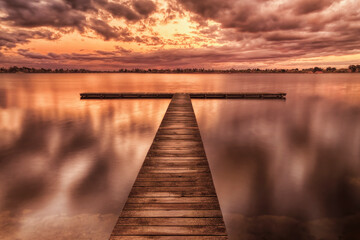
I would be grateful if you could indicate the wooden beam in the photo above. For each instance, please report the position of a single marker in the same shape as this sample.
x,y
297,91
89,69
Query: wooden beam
x,y
214,95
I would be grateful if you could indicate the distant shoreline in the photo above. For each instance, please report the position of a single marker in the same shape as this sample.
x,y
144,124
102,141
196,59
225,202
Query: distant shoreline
x,y
109,72
314,70
179,73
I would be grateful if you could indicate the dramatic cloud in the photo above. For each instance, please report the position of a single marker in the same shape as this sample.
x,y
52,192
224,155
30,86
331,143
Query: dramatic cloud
x,y
28,54
144,7
11,39
257,15
85,5
104,29
121,10
301,27
309,6
161,58
24,13
181,32
141,9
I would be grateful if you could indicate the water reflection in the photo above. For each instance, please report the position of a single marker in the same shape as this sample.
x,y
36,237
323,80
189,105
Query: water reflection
x,y
285,170
67,169
282,170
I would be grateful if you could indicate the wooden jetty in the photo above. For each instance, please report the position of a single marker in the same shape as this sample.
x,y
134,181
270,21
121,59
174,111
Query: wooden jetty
x,y
173,196
213,95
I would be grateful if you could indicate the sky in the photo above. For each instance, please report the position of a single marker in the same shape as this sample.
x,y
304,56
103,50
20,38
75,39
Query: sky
x,y
220,34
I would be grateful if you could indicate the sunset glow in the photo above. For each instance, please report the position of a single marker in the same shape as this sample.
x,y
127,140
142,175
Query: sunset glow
x,y
109,34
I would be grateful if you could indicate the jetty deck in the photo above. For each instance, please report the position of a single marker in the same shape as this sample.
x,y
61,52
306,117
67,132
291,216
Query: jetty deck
x,y
173,196
204,95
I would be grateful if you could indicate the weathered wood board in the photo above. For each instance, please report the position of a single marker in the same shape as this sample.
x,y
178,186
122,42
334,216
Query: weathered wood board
x,y
173,196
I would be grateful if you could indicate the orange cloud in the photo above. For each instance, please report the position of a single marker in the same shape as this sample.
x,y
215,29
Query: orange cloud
x,y
178,33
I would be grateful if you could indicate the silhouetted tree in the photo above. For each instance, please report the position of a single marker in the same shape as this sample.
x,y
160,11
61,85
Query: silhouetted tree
x,y
317,69
352,68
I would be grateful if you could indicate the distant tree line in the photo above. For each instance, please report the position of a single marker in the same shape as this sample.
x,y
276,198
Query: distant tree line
x,y
16,69
351,68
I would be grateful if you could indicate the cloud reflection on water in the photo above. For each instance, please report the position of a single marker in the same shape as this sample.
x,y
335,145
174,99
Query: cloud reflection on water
x,y
66,170
284,170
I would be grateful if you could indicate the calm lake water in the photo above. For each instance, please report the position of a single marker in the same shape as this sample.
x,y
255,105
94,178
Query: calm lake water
x,y
282,169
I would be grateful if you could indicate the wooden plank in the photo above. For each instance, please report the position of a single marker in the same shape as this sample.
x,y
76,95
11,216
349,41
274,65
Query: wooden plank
x,y
205,193
174,189
173,175
177,125
172,143
181,152
169,237
194,179
169,230
178,131
176,163
173,200
175,148
173,194
171,221
171,183
175,170
171,213
180,158
172,206
177,137
161,163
